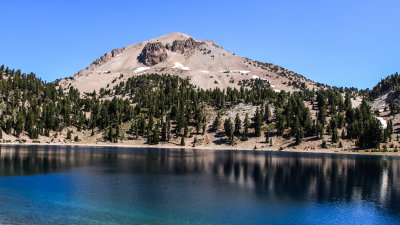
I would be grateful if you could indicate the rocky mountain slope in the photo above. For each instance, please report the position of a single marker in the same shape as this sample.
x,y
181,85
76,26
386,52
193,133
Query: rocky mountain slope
x,y
386,93
206,64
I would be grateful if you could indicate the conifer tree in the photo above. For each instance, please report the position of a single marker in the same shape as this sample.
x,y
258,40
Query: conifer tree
x,y
299,133
183,141
266,135
69,133
238,125
267,113
258,121
228,129
20,123
117,133
217,122
246,128
9,124
280,123
319,130
155,139
164,132
335,135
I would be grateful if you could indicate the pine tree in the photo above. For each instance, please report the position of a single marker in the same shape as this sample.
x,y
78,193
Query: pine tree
x,y
267,113
324,145
322,116
319,130
335,135
217,122
164,132
132,129
69,134
183,141
149,135
257,123
238,125
266,135
155,140
151,122
299,133
20,123
168,128
198,127
280,123
117,133
185,128
109,134
228,128
347,102
390,129
246,127
9,124
308,124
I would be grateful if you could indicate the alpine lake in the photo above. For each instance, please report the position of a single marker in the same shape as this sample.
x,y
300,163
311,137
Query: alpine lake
x,y
103,185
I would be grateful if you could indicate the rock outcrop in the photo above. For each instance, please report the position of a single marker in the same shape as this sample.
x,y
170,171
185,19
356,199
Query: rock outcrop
x,y
152,54
181,46
108,56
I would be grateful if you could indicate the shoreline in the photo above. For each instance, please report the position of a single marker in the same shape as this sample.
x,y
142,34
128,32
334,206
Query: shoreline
x,y
202,148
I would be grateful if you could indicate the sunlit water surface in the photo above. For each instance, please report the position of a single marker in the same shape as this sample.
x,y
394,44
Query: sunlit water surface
x,y
59,185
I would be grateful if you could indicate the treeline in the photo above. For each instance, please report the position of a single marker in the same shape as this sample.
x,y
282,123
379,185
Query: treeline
x,y
159,107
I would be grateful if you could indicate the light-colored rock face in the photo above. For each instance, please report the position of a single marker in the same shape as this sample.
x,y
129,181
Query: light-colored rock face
x,y
204,62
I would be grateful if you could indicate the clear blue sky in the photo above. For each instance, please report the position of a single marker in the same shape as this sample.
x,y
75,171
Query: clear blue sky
x,y
337,42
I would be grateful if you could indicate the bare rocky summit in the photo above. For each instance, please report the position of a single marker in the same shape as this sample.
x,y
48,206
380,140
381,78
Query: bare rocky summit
x,y
204,62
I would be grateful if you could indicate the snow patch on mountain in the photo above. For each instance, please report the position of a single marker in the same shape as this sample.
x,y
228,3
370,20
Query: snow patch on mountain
x,y
255,77
141,69
178,65
383,122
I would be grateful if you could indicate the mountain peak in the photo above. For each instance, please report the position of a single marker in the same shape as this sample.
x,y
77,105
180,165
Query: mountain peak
x,y
204,62
169,38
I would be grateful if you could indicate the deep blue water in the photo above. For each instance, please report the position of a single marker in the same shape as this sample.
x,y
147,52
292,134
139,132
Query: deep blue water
x,y
58,185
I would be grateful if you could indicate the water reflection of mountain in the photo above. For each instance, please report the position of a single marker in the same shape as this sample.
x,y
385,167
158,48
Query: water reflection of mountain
x,y
296,177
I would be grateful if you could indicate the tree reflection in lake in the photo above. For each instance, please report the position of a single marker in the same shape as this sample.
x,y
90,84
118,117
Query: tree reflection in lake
x,y
298,177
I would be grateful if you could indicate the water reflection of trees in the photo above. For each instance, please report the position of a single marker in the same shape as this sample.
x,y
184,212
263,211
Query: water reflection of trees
x,y
316,178
17,161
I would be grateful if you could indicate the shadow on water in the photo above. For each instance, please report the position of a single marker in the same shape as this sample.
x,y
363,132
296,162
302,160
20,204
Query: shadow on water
x,y
291,176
